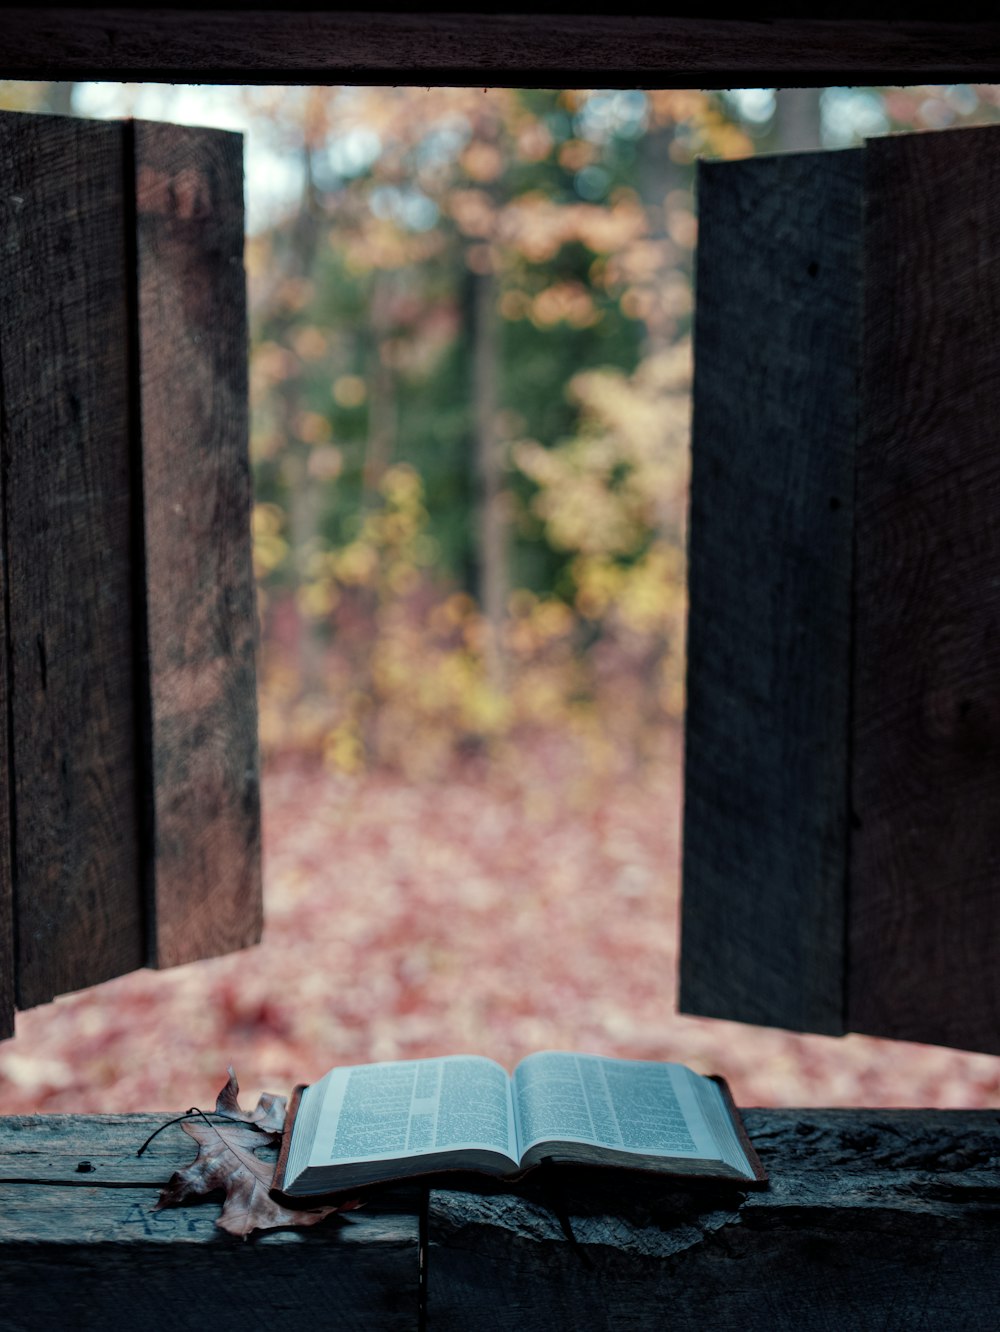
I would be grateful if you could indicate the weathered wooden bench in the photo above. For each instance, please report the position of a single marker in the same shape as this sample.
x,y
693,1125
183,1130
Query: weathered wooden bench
x,y
877,1219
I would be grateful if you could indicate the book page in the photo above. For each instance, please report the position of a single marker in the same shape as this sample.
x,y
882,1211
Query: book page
x,y
380,1112
624,1104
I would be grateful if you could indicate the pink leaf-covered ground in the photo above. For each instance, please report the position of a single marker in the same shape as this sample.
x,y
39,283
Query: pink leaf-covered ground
x,y
526,905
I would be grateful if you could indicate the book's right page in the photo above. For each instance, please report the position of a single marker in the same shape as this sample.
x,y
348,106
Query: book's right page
x,y
590,1108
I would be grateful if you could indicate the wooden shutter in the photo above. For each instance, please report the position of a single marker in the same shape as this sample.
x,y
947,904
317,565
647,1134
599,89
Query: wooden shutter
x,y
765,790
842,788
128,763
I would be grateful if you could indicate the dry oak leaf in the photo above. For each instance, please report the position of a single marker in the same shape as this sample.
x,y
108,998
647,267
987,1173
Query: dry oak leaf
x,y
226,1160
268,1114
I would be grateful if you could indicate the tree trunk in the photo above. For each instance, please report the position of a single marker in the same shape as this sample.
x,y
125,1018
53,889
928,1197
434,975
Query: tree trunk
x,y
657,176
303,521
383,420
797,120
303,499
59,99
491,521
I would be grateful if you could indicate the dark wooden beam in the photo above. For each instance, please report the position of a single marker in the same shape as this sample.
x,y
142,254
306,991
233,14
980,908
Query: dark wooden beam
x,y
875,1220
309,44
81,1246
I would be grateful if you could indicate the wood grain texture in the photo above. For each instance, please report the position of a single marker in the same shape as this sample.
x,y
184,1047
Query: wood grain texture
x,y
317,44
200,605
776,348
925,870
875,1220
83,1248
63,343
7,983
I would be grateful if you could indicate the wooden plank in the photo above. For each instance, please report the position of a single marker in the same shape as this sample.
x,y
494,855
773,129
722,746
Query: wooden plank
x,y
92,1149
925,871
314,43
876,1220
50,1150
94,1258
63,342
766,781
80,1244
7,985
200,604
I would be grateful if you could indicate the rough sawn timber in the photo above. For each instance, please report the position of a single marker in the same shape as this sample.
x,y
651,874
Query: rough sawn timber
x,y
769,624
924,921
129,807
199,602
81,1246
875,1220
66,444
317,43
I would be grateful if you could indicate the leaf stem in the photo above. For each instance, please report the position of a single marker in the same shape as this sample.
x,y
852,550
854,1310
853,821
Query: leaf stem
x,y
195,1113
188,1114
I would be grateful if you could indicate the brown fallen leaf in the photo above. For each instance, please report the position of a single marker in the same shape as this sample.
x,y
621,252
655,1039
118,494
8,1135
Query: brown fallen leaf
x,y
227,1160
268,1114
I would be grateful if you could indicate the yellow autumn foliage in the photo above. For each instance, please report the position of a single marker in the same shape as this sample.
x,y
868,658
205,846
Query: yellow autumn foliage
x,y
423,673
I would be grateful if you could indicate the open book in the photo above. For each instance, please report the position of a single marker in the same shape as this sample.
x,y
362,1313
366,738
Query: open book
x,y
374,1122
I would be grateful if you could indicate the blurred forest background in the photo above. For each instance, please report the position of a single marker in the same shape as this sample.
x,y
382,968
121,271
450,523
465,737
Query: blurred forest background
x,y
471,315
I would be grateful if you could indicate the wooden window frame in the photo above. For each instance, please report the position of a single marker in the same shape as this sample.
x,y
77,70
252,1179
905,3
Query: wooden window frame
x,y
888,1207
318,45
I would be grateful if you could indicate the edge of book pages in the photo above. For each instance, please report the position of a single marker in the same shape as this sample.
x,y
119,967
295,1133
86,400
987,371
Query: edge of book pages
x,y
760,1179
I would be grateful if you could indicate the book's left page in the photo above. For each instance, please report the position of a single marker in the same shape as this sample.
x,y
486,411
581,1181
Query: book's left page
x,y
378,1121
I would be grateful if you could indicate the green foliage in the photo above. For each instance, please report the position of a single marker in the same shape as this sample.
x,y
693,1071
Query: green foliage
x,y
389,304
367,368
